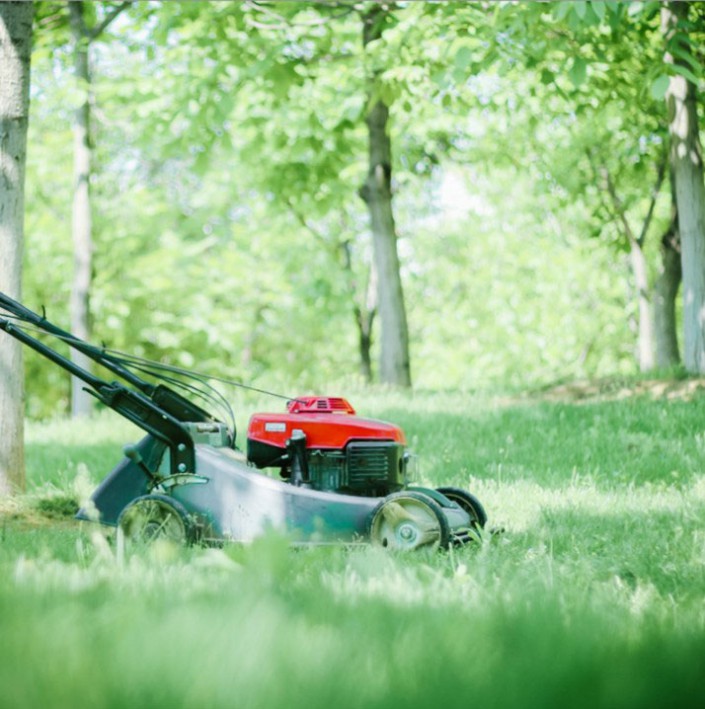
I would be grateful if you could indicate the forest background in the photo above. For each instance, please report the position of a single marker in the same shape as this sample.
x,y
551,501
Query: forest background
x,y
197,174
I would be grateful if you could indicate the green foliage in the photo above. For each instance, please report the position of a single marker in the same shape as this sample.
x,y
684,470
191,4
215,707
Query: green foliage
x,y
229,149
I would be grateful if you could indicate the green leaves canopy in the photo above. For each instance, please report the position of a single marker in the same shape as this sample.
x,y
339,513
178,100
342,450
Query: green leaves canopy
x,y
231,149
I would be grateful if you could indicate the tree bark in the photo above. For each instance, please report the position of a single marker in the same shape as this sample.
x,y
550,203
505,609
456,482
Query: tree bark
x,y
364,317
666,288
364,309
377,193
645,339
81,223
15,53
687,166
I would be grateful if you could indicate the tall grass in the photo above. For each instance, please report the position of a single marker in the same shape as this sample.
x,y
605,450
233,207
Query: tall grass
x,y
594,594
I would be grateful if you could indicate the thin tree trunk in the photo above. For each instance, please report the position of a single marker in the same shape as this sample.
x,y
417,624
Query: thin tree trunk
x,y
365,317
646,346
364,310
15,52
364,305
81,224
645,339
687,165
666,288
377,194
365,344
665,292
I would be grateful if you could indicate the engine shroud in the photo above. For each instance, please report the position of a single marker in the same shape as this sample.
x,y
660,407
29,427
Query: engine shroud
x,y
341,452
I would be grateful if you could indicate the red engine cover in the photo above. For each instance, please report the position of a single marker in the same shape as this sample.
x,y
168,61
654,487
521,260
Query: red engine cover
x,y
327,422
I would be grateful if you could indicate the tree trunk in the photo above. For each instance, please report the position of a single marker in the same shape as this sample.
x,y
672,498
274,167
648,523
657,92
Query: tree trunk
x,y
645,353
686,162
377,192
645,340
364,310
15,52
81,225
365,315
666,288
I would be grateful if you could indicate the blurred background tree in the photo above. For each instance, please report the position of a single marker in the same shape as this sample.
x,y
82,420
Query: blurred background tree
x,y
15,59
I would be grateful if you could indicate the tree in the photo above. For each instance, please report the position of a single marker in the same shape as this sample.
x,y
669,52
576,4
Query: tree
x,y
687,166
586,56
377,193
286,66
83,33
646,340
15,53
666,287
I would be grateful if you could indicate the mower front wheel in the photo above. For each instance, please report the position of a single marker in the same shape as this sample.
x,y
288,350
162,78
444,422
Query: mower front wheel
x,y
468,502
409,520
156,517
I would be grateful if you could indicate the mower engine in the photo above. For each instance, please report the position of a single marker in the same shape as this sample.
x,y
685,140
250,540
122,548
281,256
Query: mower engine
x,y
321,444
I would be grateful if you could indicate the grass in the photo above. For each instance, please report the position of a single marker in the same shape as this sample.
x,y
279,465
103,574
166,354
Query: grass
x,y
593,596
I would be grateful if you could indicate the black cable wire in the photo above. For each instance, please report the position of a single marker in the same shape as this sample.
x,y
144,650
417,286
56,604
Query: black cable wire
x,y
141,364
217,398
214,397
195,374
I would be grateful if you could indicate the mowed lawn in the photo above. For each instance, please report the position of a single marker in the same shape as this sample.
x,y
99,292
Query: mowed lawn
x,y
589,593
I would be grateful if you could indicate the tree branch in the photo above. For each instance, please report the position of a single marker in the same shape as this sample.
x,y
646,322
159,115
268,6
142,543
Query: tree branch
x,y
363,302
604,203
654,195
617,205
319,236
99,29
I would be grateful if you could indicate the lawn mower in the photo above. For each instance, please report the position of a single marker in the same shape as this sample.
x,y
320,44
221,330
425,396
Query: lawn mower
x,y
316,472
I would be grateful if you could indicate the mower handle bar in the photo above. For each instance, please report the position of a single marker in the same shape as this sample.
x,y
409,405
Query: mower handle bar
x,y
158,409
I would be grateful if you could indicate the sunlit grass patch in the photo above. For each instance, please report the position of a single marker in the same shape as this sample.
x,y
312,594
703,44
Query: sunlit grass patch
x,y
57,451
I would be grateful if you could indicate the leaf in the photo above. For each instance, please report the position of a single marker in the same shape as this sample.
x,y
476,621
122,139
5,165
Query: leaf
x,y
599,8
578,71
460,76
463,58
687,56
635,9
561,9
547,77
352,108
687,73
440,78
659,86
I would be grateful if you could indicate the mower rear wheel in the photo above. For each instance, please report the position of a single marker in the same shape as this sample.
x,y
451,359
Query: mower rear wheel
x,y
468,502
156,517
409,520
